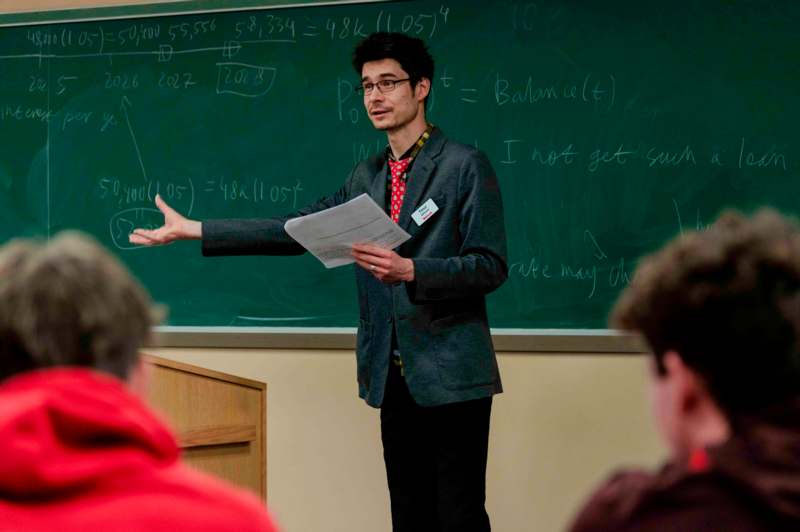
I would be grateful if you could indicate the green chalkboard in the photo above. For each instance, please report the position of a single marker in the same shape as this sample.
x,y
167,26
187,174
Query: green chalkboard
x,y
612,126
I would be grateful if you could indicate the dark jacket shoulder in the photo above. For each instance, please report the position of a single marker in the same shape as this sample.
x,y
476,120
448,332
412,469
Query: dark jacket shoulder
x,y
668,502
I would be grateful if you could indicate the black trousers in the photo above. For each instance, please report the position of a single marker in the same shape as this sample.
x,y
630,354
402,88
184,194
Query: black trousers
x,y
435,461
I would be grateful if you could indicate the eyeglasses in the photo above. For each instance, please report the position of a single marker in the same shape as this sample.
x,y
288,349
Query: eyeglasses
x,y
384,86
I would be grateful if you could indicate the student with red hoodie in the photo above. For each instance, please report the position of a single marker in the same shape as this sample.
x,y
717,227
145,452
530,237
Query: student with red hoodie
x,y
720,310
79,451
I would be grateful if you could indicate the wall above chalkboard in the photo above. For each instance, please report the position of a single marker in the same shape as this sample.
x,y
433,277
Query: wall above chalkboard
x,y
612,126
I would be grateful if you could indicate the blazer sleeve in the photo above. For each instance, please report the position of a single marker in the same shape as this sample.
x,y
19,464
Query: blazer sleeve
x,y
481,265
264,236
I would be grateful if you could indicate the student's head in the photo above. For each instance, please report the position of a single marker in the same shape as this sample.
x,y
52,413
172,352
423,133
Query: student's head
x,y
68,302
720,310
384,58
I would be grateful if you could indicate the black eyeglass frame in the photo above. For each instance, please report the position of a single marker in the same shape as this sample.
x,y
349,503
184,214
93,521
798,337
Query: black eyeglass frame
x,y
388,86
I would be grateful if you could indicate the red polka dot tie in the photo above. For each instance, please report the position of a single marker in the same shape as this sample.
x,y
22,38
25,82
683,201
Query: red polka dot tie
x,y
398,169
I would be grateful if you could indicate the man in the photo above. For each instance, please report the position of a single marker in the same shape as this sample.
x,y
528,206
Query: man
x,y
720,310
424,352
78,449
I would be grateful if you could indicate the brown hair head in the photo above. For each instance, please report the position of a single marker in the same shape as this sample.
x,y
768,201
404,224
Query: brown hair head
x,y
727,299
69,302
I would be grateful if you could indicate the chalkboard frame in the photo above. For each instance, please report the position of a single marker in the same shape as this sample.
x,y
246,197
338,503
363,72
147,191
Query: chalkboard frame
x,y
540,341
160,9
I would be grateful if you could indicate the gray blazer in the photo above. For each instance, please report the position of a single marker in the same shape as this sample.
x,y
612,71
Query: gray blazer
x,y
459,256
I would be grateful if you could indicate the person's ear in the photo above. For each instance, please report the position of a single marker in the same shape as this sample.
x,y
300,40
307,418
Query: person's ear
x,y
687,387
139,378
422,89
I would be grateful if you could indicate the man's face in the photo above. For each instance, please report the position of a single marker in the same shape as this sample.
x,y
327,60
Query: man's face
x,y
394,109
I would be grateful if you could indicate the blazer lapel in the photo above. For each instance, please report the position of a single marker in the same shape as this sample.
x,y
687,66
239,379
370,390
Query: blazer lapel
x,y
377,190
416,186
419,178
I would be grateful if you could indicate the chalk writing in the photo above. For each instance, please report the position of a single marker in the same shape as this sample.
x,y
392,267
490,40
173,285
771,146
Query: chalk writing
x,y
592,89
137,33
600,272
619,275
543,156
241,79
125,105
517,151
191,30
699,224
362,151
592,277
37,84
670,158
121,81
20,113
771,158
75,118
176,80
256,191
598,157
547,20
260,26
123,194
349,105
344,28
122,224
416,24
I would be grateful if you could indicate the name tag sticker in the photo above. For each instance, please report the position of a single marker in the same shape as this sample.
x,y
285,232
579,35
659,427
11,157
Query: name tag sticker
x,y
425,211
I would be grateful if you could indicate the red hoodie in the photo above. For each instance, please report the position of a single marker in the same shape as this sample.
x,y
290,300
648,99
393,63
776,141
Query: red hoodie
x,y
78,452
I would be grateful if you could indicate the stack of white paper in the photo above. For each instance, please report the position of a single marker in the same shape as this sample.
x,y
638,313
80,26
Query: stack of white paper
x,y
329,234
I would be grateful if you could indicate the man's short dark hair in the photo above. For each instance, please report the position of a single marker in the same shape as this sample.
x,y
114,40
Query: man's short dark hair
x,y
410,52
727,299
69,302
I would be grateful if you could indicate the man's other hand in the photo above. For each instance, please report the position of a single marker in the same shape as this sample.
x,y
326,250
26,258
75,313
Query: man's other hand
x,y
384,264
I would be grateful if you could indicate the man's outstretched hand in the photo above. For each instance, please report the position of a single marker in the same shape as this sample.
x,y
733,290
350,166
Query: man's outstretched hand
x,y
176,227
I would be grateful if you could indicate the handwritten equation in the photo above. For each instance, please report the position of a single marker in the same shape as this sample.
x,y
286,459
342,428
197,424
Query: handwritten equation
x,y
164,40
136,200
